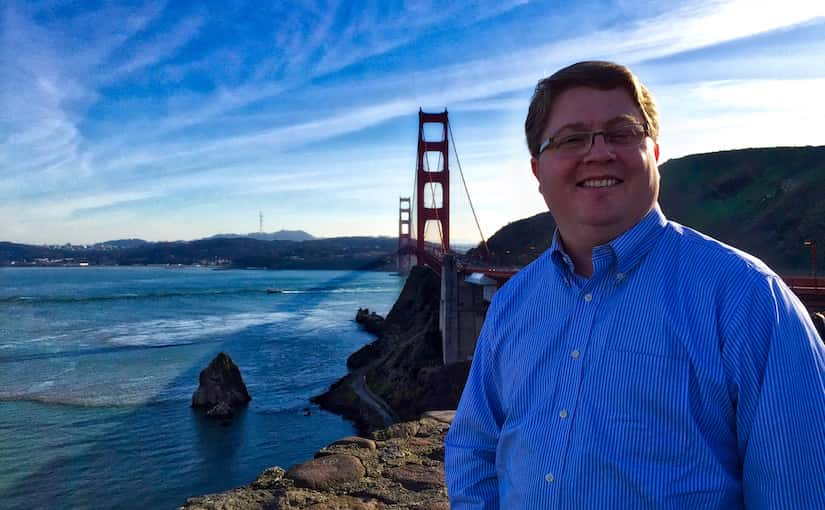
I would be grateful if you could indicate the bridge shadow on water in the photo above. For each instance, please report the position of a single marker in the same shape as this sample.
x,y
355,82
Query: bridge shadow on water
x,y
159,453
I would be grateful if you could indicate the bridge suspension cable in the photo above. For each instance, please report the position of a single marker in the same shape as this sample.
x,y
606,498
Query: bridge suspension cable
x,y
466,189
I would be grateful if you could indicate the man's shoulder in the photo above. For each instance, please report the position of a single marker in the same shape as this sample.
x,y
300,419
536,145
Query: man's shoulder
x,y
714,258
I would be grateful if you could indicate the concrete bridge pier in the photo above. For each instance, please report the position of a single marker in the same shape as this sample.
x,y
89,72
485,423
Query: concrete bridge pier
x,y
461,315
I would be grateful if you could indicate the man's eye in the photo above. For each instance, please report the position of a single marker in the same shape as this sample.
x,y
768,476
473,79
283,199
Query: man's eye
x,y
624,135
573,141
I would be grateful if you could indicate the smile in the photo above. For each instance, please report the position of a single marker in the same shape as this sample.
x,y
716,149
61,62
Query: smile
x,y
599,183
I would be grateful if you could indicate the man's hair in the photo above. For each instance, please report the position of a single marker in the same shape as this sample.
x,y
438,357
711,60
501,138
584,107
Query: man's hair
x,y
596,74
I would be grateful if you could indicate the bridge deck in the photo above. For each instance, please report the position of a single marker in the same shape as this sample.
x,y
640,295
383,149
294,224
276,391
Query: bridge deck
x,y
810,290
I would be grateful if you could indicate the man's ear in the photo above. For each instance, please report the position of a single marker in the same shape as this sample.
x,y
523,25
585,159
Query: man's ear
x,y
534,166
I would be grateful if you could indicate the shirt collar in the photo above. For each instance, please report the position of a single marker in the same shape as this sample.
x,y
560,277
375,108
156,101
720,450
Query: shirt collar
x,y
628,249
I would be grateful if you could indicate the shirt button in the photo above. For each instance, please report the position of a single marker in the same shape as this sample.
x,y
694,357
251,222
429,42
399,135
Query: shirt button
x,y
575,354
619,276
588,297
563,414
550,478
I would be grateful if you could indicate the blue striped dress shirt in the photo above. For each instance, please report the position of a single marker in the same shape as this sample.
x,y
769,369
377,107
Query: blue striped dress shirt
x,y
682,375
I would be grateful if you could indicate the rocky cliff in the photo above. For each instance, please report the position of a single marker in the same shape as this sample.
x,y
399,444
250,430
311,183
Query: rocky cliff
x,y
403,367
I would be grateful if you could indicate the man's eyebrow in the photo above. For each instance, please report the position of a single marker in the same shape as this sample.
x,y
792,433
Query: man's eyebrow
x,y
623,119
581,126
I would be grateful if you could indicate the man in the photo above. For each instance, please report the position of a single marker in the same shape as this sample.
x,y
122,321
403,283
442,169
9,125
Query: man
x,y
636,363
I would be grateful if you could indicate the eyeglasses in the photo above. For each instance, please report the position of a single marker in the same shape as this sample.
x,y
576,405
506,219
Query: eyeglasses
x,y
579,144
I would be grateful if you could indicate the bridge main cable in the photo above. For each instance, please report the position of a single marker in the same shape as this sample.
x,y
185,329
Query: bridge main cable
x,y
467,190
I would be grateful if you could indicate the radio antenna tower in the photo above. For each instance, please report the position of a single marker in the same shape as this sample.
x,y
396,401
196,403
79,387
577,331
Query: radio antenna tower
x,y
260,222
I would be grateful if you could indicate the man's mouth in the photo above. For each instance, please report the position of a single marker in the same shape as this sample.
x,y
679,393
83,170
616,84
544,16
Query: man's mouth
x,y
601,182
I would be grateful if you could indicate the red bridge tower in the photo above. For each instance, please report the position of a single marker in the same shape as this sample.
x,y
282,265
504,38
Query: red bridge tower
x,y
438,180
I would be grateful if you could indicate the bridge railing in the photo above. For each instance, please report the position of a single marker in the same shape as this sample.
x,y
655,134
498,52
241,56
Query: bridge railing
x,y
806,284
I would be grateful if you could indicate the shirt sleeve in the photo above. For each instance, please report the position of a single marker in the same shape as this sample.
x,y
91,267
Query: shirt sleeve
x,y
776,367
470,446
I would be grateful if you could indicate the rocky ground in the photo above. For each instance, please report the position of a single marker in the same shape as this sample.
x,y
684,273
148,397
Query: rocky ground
x,y
400,467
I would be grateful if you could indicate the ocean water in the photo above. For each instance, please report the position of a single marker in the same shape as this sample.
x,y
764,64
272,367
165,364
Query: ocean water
x,y
98,366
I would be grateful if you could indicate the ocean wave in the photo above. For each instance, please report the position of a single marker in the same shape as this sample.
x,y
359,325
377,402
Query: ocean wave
x,y
342,290
153,295
100,401
122,296
81,350
148,334
179,331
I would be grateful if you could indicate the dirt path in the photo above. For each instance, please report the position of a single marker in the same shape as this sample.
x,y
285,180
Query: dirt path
x,y
359,386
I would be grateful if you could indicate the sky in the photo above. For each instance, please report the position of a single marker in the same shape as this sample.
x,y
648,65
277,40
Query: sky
x,y
182,119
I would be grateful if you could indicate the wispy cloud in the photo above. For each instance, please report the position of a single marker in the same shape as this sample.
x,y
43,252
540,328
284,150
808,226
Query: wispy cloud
x,y
159,48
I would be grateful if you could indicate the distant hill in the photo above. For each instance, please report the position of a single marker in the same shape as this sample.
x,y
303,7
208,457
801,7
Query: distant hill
x,y
764,201
241,252
120,244
281,235
14,251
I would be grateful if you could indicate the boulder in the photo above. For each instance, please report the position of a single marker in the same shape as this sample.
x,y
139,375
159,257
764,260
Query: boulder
x,y
346,503
355,442
361,315
221,388
327,472
445,416
370,321
416,477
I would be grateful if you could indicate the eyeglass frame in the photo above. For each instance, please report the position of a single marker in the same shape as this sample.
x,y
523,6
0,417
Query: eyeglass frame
x,y
546,143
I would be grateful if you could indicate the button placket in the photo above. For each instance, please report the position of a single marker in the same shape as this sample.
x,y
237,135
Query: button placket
x,y
579,337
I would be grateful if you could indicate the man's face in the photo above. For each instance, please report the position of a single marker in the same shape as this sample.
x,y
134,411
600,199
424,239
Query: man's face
x,y
606,191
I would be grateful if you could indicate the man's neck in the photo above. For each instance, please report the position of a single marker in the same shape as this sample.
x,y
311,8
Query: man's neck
x,y
579,247
582,257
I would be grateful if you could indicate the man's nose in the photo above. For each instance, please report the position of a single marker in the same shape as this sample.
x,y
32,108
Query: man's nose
x,y
599,148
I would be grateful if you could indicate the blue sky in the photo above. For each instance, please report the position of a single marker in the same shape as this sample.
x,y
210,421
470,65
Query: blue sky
x,y
178,120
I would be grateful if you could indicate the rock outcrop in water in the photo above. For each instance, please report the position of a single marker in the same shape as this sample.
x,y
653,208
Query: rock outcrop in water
x,y
370,321
401,466
221,389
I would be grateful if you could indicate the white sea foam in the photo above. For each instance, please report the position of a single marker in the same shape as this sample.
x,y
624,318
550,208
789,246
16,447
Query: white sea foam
x,y
349,290
182,331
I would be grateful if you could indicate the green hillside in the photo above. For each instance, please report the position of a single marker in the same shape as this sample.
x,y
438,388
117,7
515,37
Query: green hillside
x,y
764,201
